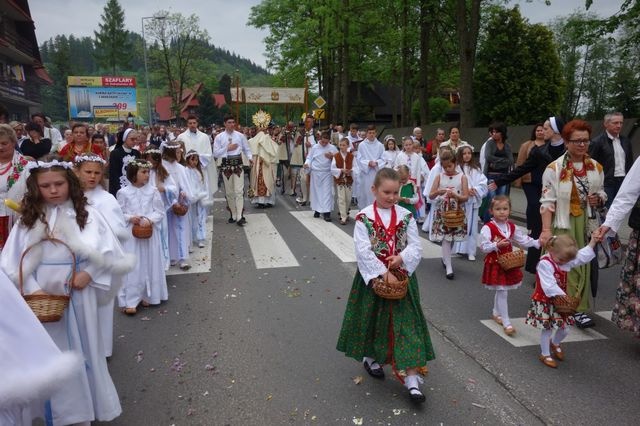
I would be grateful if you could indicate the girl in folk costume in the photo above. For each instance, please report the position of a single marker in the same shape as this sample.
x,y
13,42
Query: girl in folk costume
x,y
160,179
318,163
450,191
496,238
377,330
12,185
408,191
421,211
178,225
142,205
265,158
33,368
200,188
551,281
413,161
435,171
391,151
90,171
54,206
477,182
342,169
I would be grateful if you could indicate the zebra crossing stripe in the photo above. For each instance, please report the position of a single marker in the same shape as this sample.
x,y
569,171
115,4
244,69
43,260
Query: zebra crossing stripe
x,y
335,239
268,248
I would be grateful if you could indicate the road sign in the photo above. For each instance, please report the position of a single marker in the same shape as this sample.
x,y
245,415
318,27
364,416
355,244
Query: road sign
x,y
320,102
318,114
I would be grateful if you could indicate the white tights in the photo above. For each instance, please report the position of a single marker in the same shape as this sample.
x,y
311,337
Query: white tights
x,y
501,307
545,339
446,255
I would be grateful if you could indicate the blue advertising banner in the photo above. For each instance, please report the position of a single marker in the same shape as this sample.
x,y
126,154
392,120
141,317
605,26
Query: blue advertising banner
x,y
102,102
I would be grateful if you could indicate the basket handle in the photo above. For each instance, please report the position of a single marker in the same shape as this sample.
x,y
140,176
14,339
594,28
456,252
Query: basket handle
x,y
53,240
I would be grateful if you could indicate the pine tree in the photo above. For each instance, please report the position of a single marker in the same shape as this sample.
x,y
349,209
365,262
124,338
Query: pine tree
x,y
112,46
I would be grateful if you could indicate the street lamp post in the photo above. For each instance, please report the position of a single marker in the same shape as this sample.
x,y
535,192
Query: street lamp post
x,y
146,70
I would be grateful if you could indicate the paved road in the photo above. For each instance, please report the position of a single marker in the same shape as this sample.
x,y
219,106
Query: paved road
x,y
248,346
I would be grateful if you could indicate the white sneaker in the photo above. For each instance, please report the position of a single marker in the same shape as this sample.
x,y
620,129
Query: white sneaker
x,y
173,263
472,258
185,266
201,244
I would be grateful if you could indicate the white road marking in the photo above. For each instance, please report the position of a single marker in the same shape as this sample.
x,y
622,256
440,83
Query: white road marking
x,y
526,335
336,240
200,259
268,248
605,314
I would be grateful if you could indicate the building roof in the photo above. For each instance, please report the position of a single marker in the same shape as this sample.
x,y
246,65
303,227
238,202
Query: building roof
x,y
188,100
218,100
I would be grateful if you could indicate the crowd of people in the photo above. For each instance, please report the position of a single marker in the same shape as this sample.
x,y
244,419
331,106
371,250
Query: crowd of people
x,y
112,213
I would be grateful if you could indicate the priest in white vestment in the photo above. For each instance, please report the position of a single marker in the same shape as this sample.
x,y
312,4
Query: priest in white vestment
x,y
265,163
370,159
318,164
200,142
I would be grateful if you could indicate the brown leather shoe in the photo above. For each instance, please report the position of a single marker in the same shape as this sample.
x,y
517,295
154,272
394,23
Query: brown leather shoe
x,y
548,361
509,330
556,351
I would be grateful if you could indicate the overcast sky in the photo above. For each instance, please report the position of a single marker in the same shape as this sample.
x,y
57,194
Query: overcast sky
x,y
226,20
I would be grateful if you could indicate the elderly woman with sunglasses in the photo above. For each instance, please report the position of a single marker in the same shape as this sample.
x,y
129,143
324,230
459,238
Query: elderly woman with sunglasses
x,y
572,190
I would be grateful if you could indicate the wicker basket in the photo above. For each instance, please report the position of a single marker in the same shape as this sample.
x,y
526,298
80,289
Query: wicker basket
x,y
511,260
179,209
453,218
142,232
565,305
393,291
47,307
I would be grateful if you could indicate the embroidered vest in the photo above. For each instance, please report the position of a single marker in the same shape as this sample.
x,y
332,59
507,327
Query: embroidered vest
x,y
559,275
344,163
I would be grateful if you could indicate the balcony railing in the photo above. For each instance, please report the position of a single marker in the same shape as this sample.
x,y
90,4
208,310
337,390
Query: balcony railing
x,y
18,42
20,89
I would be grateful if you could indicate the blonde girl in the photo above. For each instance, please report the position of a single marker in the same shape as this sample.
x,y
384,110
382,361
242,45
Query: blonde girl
x,y
551,281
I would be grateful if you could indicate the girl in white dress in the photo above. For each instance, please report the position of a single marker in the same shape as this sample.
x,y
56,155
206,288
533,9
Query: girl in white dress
x,y
142,205
477,182
90,171
55,206
391,151
200,204
160,179
450,191
179,229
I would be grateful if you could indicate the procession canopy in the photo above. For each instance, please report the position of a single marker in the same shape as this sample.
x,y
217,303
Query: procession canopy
x,y
268,95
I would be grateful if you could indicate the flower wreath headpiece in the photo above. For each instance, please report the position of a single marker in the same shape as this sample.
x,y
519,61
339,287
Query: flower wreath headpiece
x,y
31,165
89,158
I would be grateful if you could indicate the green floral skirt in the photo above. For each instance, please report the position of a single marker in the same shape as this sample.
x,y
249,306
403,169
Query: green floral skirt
x,y
390,331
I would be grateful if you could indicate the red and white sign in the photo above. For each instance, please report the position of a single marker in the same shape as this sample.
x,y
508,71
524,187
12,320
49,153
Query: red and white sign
x,y
119,81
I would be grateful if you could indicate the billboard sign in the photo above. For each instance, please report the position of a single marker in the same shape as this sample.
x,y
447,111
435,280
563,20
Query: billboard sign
x,y
102,97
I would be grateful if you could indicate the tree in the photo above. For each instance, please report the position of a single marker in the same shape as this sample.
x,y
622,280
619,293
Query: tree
x,y
468,28
112,45
59,67
224,87
625,91
518,77
180,41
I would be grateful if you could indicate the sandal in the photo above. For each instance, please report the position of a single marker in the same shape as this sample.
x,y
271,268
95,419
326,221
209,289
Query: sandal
x,y
509,330
497,319
556,351
548,361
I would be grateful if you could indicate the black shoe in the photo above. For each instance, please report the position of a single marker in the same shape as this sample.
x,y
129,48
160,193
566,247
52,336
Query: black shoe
x,y
242,221
260,206
583,320
316,215
327,217
450,276
416,397
378,373
231,220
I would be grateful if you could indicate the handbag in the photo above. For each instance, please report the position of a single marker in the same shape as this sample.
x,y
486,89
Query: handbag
x,y
608,251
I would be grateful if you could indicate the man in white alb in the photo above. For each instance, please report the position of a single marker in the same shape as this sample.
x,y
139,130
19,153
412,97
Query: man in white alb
x,y
318,165
304,141
200,142
370,160
229,146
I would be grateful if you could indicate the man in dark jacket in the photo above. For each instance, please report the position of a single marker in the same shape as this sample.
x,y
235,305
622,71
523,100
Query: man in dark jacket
x,y
613,151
